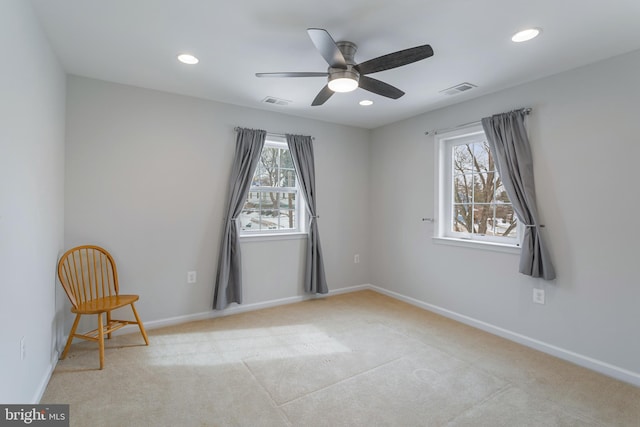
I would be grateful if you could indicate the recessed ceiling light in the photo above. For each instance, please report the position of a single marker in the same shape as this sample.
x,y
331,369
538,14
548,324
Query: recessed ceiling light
x,y
525,35
185,58
366,102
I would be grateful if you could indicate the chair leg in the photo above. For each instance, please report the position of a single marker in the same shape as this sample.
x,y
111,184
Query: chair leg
x,y
71,334
142,331
101,339
108,324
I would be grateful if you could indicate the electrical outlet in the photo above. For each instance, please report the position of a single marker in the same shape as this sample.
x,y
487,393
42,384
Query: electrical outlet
x,y
356,259
538,296
192,277
23,348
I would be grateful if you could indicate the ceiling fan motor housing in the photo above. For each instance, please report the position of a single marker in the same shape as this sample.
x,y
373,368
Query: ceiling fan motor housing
x,y
348,50
339,73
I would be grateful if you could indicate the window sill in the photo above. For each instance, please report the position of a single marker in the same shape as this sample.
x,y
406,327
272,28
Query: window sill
x,y
274,236
476,244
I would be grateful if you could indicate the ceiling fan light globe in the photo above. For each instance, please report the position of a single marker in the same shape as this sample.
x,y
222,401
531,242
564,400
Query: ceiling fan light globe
x,y
343,80
343,84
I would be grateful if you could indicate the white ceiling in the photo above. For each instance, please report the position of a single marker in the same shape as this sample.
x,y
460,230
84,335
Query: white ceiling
x,y
135,42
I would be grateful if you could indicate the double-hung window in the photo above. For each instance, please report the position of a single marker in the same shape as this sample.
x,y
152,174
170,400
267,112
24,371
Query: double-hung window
x,y
472,202
273,205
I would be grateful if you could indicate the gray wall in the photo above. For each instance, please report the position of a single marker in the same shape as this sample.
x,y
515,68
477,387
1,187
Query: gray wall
x,y
146,177
32,122
584,131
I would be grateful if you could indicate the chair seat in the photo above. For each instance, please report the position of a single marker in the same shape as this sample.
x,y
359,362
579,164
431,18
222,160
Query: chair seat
x,y
102,305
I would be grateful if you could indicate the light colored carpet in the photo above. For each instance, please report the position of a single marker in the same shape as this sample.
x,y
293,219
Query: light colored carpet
x,y
358,359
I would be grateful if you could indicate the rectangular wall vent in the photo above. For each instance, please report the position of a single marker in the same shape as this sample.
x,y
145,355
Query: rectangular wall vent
x,y
462,87
275,101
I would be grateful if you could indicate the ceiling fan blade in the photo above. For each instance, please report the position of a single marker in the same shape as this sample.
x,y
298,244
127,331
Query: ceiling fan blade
x,y
322,96
292,74
380,88
396,59
327,47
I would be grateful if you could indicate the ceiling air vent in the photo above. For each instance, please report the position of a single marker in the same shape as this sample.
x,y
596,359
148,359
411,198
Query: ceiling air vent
x,y
275,101
462,87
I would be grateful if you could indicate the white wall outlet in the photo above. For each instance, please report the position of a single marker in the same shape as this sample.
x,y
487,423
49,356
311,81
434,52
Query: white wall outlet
x,y
538,296
23,348
192,277
356,259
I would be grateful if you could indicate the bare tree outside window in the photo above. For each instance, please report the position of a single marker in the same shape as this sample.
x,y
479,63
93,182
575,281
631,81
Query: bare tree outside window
x,y
480,203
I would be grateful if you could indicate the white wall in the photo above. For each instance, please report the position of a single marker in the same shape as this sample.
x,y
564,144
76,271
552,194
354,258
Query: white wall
x,y
32,121
147,175
585,136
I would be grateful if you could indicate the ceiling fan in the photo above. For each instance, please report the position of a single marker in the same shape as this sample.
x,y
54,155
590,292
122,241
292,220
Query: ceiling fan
x,y
345,75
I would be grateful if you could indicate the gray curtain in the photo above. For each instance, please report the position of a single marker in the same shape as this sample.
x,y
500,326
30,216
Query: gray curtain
x,y
510,148
301,148
228,288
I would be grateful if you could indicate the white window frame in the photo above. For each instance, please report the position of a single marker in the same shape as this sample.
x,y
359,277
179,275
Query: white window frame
x,y
300,216
444,143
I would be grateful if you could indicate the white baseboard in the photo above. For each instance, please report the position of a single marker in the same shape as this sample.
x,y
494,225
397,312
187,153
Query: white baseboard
x,y
570,356
37,397
581,360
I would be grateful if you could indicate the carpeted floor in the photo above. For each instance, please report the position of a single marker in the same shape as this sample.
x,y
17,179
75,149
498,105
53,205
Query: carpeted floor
x,y
357,359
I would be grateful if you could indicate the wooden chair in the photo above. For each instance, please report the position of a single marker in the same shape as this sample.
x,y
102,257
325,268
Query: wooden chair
x,y
89,277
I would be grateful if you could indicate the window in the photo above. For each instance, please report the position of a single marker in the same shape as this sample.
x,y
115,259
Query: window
x,y
272,206
472,202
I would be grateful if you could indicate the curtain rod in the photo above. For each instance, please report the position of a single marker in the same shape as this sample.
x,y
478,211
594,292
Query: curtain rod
x,y
437,131
279,135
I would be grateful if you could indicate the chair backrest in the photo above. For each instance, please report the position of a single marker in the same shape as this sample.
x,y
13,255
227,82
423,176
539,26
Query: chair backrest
x,y
86,273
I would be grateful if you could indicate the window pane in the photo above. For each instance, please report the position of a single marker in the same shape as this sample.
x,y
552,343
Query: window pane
x,y
462,159
258,175
482,218
287,219
463,188
287,177
505,220
286,162
269,169
268,218
287,200
501,193
286,215
462,218
482,156
250,219
483,188
253,200
270,201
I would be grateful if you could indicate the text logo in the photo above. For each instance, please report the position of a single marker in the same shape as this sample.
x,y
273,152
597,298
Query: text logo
x,y
34,415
